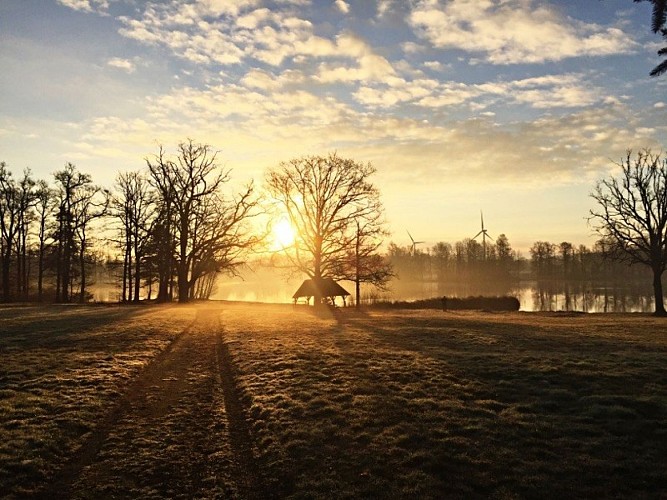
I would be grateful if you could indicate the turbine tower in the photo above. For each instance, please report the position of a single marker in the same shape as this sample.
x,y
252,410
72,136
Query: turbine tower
x,y
484,233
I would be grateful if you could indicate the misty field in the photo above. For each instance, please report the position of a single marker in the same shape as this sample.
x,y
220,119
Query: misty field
x,y
230,400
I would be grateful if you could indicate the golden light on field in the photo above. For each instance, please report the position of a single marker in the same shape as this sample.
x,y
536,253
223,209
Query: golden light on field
x,y
283,234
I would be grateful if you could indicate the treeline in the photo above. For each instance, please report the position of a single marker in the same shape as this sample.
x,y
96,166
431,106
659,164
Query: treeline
x,y
171,224
469,261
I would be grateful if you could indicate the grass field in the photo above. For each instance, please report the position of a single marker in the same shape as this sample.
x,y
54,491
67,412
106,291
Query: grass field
x,y
254,401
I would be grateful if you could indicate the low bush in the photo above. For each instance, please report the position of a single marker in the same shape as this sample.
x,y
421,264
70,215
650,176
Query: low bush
x,y
455,303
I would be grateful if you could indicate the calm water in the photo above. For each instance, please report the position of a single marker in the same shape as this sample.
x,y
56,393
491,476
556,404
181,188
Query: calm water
x,y
533,296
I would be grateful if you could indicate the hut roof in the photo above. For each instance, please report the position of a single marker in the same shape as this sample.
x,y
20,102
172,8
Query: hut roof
x,y
327,288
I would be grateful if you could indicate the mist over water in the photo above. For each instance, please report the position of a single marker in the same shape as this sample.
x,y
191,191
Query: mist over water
x,y
265,284
533,296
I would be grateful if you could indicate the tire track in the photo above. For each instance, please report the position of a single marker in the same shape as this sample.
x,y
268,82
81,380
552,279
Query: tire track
x,y
180,430
251,482
61,486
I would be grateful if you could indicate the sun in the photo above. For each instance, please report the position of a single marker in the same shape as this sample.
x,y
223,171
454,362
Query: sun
x,y
283,234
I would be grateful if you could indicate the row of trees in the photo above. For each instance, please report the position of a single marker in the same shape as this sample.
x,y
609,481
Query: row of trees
x,y
174,230
49,225
465,262
171,225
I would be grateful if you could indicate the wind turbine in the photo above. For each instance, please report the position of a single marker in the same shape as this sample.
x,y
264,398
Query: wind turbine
x,y
414,243
484,233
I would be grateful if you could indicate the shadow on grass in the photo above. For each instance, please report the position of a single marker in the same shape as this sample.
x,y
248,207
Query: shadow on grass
x,y
517,406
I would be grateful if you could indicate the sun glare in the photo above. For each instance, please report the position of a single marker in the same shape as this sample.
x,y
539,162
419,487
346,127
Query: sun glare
x,y
283,234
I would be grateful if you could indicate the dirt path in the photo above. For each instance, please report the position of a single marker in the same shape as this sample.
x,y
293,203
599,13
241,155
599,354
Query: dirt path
x,y
178,432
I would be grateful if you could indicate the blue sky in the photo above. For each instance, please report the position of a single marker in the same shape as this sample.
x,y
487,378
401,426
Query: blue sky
x,y
513,107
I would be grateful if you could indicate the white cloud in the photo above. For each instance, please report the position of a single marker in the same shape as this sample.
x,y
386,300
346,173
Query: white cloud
x,y
434,65
549,91
659,105
343,6
384,6
124,64
228,32
513,31
86,5
366,65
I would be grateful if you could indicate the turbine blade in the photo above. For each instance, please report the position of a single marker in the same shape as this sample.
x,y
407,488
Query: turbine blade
x,y
481,232
411,238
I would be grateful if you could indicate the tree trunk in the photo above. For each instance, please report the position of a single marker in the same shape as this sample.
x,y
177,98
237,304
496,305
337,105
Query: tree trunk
x,y
58,271
5,278
357,277
183,282
137,278
137,266
40,271
657,292
82,264
123,296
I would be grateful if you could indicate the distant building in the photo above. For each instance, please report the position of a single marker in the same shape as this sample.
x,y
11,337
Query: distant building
x,y
326,287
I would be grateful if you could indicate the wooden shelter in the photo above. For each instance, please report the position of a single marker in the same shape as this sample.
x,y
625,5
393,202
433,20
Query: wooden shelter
x,y
326,288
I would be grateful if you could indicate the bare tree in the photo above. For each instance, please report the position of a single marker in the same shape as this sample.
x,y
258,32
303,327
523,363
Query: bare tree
x,y
208,230
92,202
222,238
44,198
79,202
26,200
10,212
543,257
134,207
632,215
324,198
163,239
365,263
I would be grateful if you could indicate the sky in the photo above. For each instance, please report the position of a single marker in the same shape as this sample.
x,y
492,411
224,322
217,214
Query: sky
x,y
511,107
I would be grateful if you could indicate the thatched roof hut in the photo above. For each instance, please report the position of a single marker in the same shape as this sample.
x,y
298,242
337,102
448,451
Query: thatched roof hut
x,y
326,287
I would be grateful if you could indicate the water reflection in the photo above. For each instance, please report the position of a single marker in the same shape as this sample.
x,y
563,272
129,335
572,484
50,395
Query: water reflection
x,y
533,295
586,297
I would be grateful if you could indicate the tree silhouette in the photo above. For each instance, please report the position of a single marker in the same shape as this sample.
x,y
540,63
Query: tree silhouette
x,y
44,201
324,197
10,211
79,203
207,230
134,206
658,19
632,215
365,264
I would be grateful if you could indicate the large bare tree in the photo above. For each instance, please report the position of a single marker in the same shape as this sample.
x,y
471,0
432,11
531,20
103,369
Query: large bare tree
x,y
328,200
208,229
632,215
